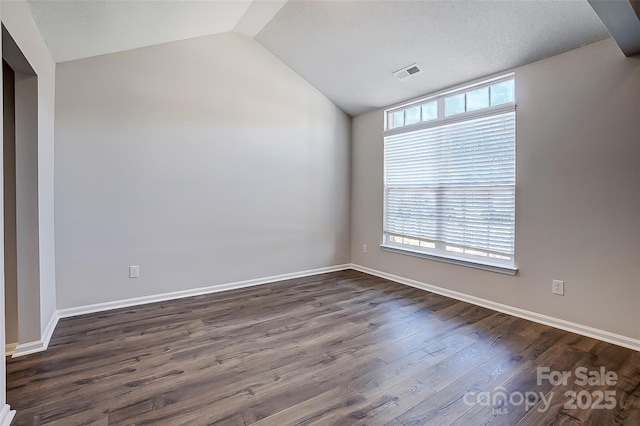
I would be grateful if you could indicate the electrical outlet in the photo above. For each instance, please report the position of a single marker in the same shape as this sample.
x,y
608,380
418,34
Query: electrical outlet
x,y
365,249
134,271
558,287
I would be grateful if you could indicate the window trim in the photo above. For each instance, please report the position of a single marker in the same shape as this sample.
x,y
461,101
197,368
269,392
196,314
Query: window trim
x,y
442,120
470,263
458,118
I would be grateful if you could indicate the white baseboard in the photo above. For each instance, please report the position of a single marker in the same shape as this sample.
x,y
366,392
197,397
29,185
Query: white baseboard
x,y
48,332
38,346
9,349
6,415
22,349
28,348
125,303
617,339
583,330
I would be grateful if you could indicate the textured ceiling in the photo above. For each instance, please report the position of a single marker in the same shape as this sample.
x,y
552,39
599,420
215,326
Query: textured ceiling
x,y
79,29
349,49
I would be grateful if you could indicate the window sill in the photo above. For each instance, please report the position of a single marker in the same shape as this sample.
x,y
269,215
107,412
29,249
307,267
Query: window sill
x,y
491,267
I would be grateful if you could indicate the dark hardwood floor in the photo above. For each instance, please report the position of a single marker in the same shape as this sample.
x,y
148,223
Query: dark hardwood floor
x,y
336,349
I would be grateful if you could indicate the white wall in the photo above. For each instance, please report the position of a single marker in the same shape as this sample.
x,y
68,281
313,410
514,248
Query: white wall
x,y
19,22
205,161
27,229
577,202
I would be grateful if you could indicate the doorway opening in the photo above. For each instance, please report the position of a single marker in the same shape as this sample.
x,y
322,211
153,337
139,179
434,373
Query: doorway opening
x,y
20,199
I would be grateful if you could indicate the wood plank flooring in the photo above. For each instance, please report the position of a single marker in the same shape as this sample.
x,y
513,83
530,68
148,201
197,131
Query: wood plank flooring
x,y
336,349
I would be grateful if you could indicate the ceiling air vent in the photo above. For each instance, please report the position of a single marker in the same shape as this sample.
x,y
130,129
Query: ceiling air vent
x,y
407,71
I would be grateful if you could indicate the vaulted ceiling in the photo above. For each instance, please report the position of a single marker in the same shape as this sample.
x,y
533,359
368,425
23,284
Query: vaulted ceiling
x,y
347,49
75,29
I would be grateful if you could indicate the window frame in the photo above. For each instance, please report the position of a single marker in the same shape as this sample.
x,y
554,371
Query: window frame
x,y
442,120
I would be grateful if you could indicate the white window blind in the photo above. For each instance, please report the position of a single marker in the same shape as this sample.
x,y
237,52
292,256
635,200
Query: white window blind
x,y
450,187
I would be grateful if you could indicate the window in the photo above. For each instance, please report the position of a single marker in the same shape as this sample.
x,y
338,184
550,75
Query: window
x,y
450,176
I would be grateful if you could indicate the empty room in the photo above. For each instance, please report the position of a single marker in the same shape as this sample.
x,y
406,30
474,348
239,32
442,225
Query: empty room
x,y
292,212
